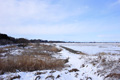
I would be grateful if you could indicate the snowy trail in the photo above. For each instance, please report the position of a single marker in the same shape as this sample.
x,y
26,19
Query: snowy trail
x,y
76,61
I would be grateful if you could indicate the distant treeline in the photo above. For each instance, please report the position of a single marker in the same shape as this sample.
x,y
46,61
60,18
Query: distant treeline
x,y
5,39
45,41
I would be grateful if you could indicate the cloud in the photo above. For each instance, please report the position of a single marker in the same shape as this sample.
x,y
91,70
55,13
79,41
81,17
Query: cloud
x,y
38,16
56,17
40,29
116,3
43,10
78,28
52,29
109,37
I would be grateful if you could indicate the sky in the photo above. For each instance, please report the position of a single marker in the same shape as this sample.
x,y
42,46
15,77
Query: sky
x,y
65,20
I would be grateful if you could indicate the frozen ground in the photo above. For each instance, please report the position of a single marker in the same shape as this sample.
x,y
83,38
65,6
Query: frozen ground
x,y
93,48
79,67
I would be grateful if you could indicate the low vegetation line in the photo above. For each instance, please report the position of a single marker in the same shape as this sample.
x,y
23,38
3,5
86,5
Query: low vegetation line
x,y
73,51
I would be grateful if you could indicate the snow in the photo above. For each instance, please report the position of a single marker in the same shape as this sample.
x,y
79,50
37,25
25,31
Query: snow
x,y
93,48
76,61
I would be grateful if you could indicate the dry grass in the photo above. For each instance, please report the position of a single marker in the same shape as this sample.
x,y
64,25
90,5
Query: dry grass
x,y
37,78
36,58
2,50
113,76
6,49
36,52
73,70
43,48
39,73
73,51
50,48
15,77
58,76
51,77
29,63
104,54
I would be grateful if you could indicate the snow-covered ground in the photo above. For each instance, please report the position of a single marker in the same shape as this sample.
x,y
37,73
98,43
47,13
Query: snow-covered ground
x,y
79,67
93,48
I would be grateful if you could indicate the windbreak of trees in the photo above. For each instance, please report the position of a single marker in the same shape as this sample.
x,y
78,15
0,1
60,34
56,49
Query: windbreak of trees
x,y
5,39
45,41
4,36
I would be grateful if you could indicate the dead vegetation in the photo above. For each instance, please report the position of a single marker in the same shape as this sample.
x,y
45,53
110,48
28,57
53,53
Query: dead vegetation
x,y
6,49
108,66
73,51
73,70
39,73
15,77
58,76
2,50
52,71
51,77
104,54
50,48
37,78
39,57
112,76
11,77
25,63
28,63
88,78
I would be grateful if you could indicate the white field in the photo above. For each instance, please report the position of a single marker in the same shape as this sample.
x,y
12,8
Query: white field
x,y
90,67
93,48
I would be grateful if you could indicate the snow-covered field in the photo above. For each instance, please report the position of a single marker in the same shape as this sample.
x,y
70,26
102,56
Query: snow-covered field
x,y
79,67
93,48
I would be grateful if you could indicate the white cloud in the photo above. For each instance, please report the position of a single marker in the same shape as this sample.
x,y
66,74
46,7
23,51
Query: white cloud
x,y
75,28
40,29
55,29
12,10
116,3
109,36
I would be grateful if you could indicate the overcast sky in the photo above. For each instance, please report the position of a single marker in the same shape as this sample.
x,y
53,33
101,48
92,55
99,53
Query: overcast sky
x,y
68,20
